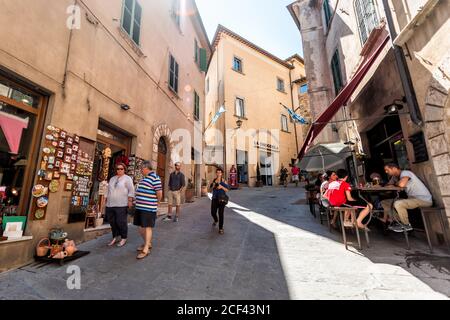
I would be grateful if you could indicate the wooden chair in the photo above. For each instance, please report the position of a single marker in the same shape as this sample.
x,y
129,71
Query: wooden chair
x,y
341,212
311,197
90,221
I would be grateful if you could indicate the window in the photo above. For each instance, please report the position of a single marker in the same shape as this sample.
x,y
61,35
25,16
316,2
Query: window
x,y
176,8
207,85
284,123
303,89
336,70
280,85
367,18
240,108
173,74
196,49
131,19
237,64
327,12
196,106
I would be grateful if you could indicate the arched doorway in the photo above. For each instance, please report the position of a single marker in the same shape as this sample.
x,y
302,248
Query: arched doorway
x,y
162,160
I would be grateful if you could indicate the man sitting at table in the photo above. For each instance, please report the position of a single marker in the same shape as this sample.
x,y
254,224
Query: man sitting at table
x,y
417,192
339,195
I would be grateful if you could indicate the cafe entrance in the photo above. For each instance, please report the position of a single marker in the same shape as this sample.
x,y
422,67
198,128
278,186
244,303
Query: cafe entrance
x,y
387,144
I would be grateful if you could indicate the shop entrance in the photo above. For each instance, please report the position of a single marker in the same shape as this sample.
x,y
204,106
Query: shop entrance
x,y
387,144
266,168
242,166
119,144
162,161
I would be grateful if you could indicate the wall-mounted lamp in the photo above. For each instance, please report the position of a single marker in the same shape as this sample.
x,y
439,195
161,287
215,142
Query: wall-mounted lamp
x,y
395,107
125,107
239,124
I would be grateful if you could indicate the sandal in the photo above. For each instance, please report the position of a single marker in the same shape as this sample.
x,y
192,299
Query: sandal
x,y
122,243
143,255
142,248
112,242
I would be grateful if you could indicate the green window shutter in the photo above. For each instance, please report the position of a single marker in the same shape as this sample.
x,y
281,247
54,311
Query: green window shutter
x,y
203,60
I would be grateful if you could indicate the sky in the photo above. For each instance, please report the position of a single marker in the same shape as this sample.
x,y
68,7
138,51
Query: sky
x,y
266,23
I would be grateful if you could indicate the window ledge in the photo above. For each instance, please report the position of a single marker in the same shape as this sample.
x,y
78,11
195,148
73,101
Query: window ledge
x,y
136,48
174,92
282,91
237,71
243,118
285,131
24,238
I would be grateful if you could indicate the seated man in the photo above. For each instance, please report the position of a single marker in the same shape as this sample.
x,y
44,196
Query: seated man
x,y
339,195
417,192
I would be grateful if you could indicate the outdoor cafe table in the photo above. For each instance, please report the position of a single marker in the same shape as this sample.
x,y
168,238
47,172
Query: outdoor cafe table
x,y
379,190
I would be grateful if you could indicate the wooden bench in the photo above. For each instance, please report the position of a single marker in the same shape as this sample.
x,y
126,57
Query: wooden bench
x,y
341,212
425,214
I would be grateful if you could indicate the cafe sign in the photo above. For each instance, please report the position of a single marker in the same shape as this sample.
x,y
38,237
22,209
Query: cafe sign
x,y
266,147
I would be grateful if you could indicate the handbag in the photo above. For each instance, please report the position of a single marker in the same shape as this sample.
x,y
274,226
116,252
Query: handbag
x,y
131,211
223,199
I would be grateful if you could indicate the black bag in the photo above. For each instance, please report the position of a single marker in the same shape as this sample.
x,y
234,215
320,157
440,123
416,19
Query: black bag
x,y
131,211
223,199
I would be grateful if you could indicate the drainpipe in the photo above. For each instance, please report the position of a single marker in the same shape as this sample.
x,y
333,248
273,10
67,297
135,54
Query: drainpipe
x,y
402,66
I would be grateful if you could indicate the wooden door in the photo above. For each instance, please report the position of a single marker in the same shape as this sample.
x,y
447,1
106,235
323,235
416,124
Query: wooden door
x,y
162,158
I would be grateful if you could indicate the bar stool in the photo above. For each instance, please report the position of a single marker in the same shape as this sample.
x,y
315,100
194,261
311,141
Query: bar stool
x,y
341,212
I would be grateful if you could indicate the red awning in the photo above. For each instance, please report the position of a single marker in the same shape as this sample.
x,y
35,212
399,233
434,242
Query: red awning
x,y
341,99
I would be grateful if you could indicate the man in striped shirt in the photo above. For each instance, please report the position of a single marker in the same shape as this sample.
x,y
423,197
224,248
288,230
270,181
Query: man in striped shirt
x,y
148,194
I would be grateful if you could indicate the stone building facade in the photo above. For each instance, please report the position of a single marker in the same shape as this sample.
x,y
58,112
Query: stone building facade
x,y
124,74
254,87
346,31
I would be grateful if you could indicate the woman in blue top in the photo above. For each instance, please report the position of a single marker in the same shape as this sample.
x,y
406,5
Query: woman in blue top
x,y
219,188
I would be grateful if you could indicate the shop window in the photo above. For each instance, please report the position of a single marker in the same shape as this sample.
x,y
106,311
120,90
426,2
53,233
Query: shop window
x,y
131,19
20,113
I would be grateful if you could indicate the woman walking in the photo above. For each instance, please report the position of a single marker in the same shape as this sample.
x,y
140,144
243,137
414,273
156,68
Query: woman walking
x,y
119,198
219,188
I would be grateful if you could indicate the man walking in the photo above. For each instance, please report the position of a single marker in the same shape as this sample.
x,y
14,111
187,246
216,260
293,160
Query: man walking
x,y
148,194
177,182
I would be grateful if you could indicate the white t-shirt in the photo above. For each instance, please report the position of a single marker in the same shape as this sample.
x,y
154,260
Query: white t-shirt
x,y
415,187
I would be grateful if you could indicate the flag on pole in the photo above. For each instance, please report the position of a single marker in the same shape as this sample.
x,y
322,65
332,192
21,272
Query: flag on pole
x,y
218,114
296,117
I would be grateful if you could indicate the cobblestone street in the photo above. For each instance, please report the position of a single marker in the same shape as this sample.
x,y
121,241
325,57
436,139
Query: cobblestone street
x,y
272,249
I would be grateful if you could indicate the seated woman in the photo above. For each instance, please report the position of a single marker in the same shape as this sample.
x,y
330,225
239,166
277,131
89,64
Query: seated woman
x,y
339,195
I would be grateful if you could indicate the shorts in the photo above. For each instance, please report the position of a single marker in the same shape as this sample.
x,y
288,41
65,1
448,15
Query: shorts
x,y
295,178
145,219
174,198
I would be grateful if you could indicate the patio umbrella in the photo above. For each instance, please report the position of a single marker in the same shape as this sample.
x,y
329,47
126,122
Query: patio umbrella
x,y
323,157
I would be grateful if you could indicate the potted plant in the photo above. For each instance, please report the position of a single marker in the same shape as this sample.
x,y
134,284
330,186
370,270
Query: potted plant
x,y
204,188
190,191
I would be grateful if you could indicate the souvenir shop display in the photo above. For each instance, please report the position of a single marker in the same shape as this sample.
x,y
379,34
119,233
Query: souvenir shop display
x,y
59,156
134,169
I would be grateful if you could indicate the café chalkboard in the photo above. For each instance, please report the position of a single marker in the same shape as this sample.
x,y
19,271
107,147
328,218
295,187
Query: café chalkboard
x,y
420,147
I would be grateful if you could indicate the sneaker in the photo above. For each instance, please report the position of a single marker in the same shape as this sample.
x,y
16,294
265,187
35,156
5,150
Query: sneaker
x,y
175,219
168,218
398,227
348,224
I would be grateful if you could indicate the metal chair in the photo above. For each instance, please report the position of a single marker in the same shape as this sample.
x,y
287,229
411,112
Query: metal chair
x,y
341,212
